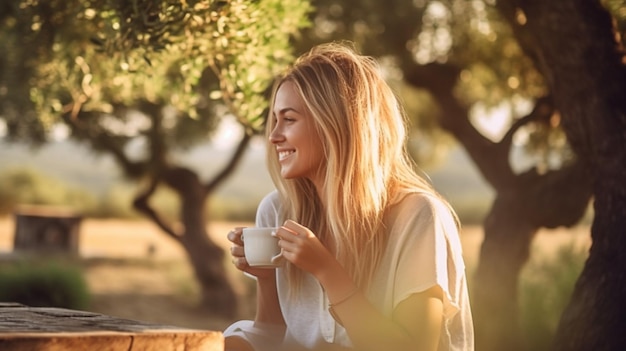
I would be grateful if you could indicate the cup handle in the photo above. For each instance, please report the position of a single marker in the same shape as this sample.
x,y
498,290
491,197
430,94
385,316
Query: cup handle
x,y
278,259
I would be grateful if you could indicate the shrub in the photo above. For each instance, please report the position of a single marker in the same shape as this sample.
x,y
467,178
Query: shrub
x,y
117,202
545,289
231,209
44,285
28,186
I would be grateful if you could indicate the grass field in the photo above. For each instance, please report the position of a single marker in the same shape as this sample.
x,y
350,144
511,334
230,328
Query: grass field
x,y
135,271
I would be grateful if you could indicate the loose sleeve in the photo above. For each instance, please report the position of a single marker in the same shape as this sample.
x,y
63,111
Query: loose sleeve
x,y
428,252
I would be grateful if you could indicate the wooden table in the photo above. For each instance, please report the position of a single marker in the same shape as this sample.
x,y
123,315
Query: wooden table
x,y
24,328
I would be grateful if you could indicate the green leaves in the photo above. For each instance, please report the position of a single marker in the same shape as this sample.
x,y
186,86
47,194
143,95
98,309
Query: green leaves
x,y
245,44
99,54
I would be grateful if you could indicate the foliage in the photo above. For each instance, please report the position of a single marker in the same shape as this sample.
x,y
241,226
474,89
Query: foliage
x,y
44,285
101,56
545,289
116,203
29,187
26,186
233,209
498,81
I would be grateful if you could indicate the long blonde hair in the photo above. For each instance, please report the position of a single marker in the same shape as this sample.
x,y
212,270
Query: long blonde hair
x,y
363,130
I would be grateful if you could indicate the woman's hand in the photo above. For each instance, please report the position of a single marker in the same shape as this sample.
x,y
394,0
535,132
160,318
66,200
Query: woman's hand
x,y
302,248
268,307
239,258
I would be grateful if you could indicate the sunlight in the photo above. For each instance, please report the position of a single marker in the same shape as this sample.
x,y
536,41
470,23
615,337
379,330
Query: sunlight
x,y
434,41
59,132
492,122
130,126
228,134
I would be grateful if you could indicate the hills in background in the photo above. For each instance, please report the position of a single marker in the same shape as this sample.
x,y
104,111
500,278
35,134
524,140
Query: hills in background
x,y
74,164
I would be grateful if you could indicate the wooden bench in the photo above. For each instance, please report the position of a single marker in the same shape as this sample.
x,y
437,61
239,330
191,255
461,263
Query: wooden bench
x,y
24,328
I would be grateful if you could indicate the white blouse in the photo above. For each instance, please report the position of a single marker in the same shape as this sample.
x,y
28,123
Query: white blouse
x,y
423,250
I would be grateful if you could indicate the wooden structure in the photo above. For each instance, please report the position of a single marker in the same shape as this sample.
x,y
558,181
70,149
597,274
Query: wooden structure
x,y
24,328
46,229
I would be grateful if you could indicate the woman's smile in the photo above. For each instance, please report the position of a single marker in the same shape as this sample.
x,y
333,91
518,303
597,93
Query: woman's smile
x,y
296,140
284,154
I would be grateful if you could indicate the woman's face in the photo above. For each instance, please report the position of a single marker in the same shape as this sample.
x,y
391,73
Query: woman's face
x,y
295,138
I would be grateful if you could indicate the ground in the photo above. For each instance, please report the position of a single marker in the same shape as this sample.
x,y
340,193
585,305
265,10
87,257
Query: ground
x,y
135,271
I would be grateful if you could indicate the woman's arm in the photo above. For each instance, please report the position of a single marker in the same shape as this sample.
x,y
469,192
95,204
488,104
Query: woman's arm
x,y
268,308
414,325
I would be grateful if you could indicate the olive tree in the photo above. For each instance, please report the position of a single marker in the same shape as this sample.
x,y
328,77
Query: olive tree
x,y
158,74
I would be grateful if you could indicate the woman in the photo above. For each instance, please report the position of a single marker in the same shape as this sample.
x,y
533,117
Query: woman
x,y
373,256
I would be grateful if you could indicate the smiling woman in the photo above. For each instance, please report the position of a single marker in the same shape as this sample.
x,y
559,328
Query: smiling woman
x,y
295,137
373,255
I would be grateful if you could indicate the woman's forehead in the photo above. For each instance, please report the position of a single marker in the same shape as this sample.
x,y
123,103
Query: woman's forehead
x,y
288,99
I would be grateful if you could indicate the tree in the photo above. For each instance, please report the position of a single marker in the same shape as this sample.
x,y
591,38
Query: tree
x,y
472,56
588,78
159,74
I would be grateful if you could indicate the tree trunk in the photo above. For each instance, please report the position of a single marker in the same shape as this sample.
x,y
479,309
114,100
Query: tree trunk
x,y
207,260
205,256
505,250
524,203
584,65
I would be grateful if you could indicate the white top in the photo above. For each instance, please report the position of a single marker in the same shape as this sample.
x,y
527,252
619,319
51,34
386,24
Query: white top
x,y
424,250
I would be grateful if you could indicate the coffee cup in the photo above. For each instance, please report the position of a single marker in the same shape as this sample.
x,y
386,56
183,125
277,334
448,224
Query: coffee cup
x,y
261,247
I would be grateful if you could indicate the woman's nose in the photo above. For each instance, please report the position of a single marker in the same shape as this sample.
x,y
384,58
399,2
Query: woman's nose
x,y
276,135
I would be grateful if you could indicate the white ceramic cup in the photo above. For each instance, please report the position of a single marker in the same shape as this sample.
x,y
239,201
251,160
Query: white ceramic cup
x,y
261,247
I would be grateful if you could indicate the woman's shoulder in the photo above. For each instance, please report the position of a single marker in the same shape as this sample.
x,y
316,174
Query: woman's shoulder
x,y
421,204
269,209
270,202
416,199
270,198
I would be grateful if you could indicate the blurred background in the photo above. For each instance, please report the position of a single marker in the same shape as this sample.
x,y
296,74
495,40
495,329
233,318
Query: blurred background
x,y
64,172
131,143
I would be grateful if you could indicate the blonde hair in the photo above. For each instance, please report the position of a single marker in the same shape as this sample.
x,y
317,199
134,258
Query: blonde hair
x,y
363,131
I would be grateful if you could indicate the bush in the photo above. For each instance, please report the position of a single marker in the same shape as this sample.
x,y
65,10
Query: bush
x,y
545,289
28,186
231,209
44,285
117,202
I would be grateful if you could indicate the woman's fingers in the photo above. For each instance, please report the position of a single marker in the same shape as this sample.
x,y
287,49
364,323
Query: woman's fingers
x,y
292,232
238,258
234,236
240,262
237,251
294,228
288,246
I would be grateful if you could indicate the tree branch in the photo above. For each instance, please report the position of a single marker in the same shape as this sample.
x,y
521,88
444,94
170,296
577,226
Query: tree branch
x,y
542,111
155,134
490,158
142,204
232,163
101,140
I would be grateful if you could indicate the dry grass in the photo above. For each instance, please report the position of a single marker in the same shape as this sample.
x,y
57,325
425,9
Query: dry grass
x,y
135,271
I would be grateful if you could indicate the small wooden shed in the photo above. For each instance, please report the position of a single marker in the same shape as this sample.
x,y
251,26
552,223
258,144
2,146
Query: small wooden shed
x,y
49,229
